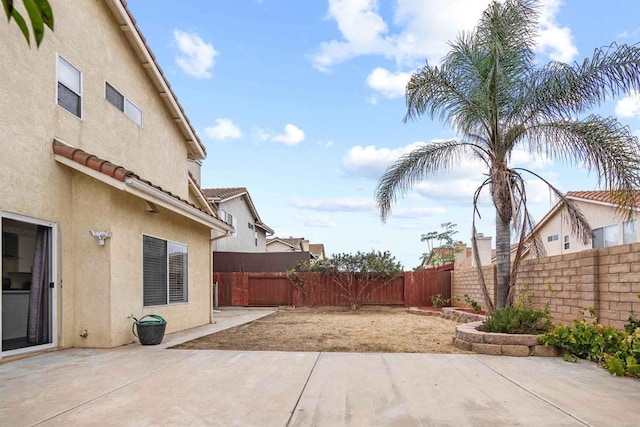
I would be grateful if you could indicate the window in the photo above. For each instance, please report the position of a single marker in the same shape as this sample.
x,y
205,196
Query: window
x,y
604,237
164,271
119,101
255,236
552,238
566,242
629,232
250,225
233,222
69,87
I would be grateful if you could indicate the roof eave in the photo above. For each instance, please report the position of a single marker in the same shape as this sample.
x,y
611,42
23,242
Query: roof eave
x,y
134,35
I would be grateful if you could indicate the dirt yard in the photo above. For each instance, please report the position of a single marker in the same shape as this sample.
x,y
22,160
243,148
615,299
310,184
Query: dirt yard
x,y
369,329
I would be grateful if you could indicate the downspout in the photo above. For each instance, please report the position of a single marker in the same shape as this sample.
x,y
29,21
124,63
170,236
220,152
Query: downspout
x,y
211,289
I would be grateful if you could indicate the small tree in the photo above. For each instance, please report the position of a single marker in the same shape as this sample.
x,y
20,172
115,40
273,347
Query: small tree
x,y
447,249
353,277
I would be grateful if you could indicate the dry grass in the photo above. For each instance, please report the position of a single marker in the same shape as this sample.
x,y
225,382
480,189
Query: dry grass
x,y
370,329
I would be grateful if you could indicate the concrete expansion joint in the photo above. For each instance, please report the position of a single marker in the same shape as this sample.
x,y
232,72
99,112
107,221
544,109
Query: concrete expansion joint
x,y
295,406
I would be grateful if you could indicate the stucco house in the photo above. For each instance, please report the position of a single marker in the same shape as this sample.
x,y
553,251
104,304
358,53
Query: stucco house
x,y
236,208
317,251
610,226
102,214
287,244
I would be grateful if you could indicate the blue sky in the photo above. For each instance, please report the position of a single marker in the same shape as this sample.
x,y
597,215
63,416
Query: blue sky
x,y
302,103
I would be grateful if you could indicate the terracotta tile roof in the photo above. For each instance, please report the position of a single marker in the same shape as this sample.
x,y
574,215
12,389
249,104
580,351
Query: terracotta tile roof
x,y
106,167
223,193
599,196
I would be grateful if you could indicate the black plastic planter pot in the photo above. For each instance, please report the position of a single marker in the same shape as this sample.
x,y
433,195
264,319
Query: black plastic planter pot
x,y
149,332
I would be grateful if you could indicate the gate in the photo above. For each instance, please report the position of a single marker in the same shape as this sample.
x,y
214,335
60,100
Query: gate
x,y
269,291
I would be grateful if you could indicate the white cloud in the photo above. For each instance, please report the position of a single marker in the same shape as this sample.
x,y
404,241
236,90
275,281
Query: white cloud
x,y
195,56
371,162
390,84
325,145
318,221
551,37
292,135
418,212
223,129
450,190
347,204
260,135
629,106
425,30
362,30
520,157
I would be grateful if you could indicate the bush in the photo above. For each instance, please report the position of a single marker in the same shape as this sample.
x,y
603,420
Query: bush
x,y
438,300
617,351
516,320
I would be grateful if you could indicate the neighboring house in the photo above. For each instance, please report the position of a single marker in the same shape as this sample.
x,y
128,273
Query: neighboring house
x,y
317,251
102,214
610,226
287,244
235,207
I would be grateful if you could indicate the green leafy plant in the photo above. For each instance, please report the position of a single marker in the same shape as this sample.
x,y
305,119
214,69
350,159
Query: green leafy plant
x,y
515,320
475,306
633,322
40,14
438,300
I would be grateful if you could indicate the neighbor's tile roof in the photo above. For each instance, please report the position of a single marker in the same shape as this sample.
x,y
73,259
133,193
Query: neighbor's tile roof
x,y
599,196
291,241
223,193
106,167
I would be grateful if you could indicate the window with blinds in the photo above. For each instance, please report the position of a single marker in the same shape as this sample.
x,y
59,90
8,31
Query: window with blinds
x,y
165,267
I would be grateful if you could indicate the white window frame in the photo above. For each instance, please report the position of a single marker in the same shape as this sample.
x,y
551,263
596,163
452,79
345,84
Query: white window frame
x,y
566,242
633,224
552,238
127,104
168,273
605,230
81,85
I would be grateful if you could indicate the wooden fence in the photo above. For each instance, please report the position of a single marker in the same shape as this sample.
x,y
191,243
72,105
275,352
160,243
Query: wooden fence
x,y
411,289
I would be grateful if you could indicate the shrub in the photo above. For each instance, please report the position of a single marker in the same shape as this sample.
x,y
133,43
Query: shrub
x,y
438,300
516,320
617,351
473,303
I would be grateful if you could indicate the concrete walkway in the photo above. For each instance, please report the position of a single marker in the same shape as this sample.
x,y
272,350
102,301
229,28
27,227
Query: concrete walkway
x,y
151,385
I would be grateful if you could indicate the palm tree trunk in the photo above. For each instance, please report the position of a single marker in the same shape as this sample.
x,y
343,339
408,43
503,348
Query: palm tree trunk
x,y
503,261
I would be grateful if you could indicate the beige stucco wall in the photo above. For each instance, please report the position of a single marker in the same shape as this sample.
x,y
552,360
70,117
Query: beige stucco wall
x,y
101,286
598,215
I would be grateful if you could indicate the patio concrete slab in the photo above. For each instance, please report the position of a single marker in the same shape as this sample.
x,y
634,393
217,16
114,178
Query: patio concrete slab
x,y
153,385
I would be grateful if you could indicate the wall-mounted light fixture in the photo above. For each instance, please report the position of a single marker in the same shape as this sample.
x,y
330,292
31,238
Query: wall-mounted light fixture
x,y
100,236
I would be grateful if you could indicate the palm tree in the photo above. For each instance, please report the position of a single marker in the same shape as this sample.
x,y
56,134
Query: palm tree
x,y
490,89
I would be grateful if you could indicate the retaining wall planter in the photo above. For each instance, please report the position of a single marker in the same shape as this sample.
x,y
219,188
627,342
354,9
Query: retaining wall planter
x,y
469,337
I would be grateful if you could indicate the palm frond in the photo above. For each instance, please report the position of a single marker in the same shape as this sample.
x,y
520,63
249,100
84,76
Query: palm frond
x,y
561,90
575,218
600,144
417,165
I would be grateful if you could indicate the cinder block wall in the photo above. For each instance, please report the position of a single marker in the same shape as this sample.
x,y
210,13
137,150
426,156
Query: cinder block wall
x,y
606,280
465,281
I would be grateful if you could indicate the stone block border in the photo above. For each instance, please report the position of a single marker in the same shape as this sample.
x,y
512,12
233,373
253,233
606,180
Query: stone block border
x,y
469,337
